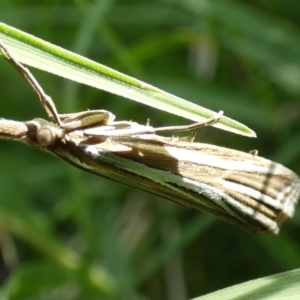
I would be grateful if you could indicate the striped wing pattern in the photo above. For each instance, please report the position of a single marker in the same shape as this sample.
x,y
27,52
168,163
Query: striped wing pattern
x,y
238,187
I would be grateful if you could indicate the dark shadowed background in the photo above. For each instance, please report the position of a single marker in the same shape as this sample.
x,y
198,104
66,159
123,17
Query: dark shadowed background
x,y
66,234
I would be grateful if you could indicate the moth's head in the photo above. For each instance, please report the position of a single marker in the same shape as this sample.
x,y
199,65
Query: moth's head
x,y
43,133
47,135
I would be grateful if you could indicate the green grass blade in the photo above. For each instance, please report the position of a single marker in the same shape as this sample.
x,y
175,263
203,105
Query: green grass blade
x,y
37,53
276,287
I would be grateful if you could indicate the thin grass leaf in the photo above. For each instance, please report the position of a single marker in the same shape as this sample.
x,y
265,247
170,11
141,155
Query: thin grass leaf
x,y
276,287
53,59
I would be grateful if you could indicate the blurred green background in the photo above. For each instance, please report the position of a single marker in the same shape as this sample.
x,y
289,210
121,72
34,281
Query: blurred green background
x,y
66,234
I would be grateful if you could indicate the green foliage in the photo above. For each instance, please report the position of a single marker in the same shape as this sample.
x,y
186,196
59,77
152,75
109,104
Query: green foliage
x,y
66,234
35,52
280,286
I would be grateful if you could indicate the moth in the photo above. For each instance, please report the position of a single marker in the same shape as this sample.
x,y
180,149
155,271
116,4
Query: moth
x,y
241,188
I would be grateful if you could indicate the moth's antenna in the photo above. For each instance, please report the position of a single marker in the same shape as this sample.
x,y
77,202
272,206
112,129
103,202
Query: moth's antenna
x,y
46,100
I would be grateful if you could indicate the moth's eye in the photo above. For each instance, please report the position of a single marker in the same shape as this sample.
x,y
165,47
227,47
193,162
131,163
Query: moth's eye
x,y
45,136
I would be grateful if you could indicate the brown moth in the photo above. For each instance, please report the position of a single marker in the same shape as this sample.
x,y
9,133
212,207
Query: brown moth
x,y
242,188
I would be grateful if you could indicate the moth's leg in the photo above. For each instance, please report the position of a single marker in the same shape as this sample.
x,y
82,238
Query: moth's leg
x,y
119,129
46,100
86,119
127,128
193,126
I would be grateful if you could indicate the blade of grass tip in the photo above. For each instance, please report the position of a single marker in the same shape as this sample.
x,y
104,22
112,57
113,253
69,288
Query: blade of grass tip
x,y
276,287
43,55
